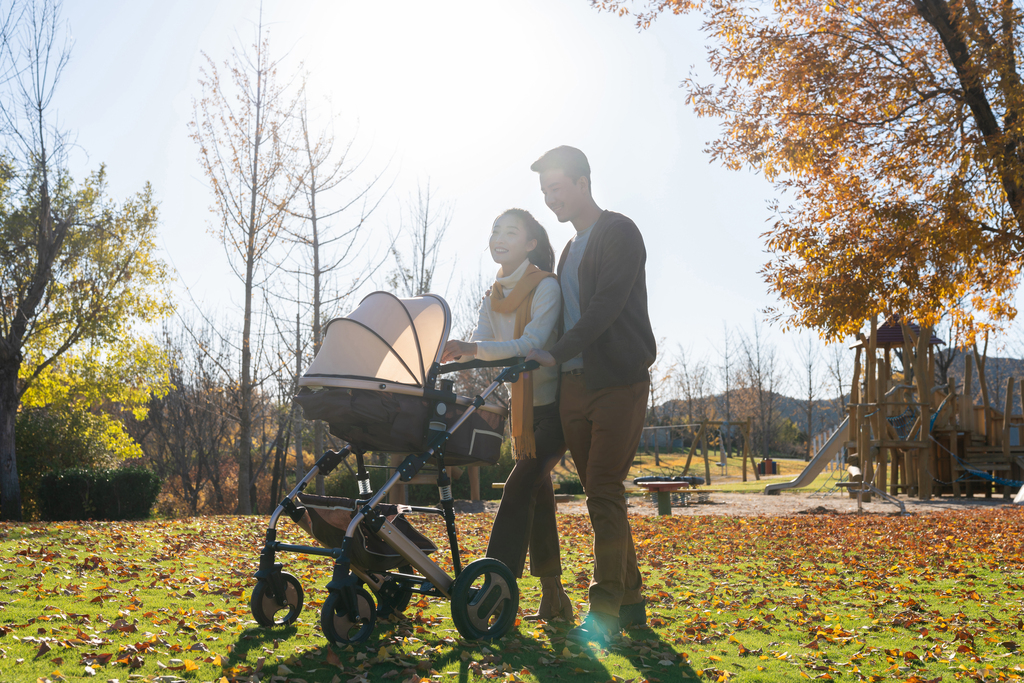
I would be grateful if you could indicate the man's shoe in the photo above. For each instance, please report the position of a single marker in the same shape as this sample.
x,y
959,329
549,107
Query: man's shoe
x,y
633,616
596,628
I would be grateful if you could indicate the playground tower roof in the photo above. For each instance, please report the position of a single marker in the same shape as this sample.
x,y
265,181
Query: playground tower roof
x,y
892,335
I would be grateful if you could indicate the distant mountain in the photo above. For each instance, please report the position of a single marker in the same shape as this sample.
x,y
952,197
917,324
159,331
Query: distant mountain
x,y
827,412
997,372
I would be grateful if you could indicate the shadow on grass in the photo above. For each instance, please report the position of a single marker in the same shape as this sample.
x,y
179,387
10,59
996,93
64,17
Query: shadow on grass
x,y
679,669
257,638
655,659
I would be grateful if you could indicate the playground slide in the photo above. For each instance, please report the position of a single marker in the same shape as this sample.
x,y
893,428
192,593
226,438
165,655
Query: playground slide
x,y
817,463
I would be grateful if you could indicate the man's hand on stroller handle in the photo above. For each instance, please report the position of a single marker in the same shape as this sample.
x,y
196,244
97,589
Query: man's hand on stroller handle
x,y
542,357
455,349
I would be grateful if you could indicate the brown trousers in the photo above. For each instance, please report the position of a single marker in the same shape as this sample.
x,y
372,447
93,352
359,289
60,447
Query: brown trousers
x,y
602,429
526,515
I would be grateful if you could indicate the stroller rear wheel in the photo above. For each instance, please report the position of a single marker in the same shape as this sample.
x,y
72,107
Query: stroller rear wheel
x,y
265,605
339,627
485,600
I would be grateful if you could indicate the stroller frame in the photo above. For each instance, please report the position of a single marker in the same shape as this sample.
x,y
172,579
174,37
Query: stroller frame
x,y
484,595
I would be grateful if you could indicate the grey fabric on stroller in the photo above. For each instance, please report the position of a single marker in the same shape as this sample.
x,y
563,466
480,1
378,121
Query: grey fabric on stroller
x,y
389,421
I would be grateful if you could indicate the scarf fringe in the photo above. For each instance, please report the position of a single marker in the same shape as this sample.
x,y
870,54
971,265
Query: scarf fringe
x,y
520,300
524,446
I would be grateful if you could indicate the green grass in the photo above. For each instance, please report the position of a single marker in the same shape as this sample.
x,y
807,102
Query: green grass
x,y
784,599
788,469
822,480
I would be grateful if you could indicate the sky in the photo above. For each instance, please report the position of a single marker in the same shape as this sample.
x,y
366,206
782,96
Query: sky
x,y
466,94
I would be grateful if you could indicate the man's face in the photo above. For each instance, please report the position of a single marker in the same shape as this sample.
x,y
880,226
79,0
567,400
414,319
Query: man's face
x,y
565,198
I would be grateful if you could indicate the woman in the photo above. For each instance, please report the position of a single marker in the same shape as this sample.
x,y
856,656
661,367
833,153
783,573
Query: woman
x,y
521,312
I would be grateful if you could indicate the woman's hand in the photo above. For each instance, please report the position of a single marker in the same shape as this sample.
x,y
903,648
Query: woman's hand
x,y
455,349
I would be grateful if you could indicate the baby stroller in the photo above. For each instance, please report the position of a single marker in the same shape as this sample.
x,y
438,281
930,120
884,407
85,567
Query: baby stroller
x,y
375,382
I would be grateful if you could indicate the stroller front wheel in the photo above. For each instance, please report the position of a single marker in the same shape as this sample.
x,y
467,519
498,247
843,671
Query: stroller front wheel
x,y
339,627
265,605
485,600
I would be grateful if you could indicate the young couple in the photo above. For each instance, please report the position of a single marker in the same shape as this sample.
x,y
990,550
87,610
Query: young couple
x,y
589,329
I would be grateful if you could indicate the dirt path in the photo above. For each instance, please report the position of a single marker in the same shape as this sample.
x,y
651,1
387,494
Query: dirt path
x,y
753,504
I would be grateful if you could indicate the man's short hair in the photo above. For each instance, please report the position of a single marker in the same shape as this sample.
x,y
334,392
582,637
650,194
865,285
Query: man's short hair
x,y
569,160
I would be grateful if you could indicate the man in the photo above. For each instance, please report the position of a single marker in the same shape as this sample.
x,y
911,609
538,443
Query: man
x,y
605,353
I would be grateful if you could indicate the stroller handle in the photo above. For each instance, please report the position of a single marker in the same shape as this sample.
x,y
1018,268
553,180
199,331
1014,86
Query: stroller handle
x,y
513,367
474,364
511,373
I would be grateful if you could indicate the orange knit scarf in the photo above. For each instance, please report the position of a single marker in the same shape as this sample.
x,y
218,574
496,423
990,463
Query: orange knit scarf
x,y
520,300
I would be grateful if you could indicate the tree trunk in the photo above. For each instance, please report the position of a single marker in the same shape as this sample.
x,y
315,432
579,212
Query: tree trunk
x,y
300,466
810,417
318,426
245,400
10,487
277,477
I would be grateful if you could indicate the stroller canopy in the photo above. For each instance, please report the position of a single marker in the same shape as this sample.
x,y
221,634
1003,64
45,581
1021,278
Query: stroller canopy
x,y
384,339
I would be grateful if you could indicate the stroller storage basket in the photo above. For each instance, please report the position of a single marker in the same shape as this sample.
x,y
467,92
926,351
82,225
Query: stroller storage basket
x,y
327,518
375,420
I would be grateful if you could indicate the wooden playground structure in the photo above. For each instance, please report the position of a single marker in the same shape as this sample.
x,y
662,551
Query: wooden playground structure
x,y
908,436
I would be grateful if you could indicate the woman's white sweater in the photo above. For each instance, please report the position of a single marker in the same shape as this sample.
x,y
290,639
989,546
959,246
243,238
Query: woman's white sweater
x,y
495,331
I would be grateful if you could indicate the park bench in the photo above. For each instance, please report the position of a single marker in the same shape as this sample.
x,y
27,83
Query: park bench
x,y
687,493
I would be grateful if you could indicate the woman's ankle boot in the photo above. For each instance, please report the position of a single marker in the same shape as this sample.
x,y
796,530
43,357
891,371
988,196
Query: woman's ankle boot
x,y
554,602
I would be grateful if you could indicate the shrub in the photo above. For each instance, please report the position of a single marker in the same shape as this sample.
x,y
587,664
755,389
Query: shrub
x,y
569,485
135,490
126,493
66,494
49,440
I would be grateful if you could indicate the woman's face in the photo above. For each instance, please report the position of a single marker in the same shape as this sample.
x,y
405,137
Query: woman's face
x,y
510,243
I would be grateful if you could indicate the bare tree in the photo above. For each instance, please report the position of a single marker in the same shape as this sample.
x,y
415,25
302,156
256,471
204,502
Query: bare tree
x,y
425,219
333,259
945,357
839,369
692,381
241,125
187,431
763,379
663,379
810,366
465,315
727,374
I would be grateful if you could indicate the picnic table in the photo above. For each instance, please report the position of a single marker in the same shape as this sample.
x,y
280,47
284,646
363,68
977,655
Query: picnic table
x,y
665,489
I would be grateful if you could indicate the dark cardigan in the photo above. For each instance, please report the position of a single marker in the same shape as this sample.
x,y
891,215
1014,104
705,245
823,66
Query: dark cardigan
x,y
614,330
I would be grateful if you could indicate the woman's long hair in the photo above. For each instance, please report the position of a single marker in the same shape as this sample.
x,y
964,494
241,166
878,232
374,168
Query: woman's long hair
x,y
543,256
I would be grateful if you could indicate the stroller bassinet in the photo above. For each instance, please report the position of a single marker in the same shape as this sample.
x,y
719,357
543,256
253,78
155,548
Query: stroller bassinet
x,y
370,376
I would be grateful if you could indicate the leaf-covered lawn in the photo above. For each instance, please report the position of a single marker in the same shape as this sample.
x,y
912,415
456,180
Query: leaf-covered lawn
x,y
929,598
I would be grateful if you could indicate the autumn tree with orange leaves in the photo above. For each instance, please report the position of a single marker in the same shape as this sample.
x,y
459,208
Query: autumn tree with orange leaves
x,y
893,131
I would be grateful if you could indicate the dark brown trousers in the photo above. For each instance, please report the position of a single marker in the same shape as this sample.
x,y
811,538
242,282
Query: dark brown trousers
x,y
526,515
602,429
